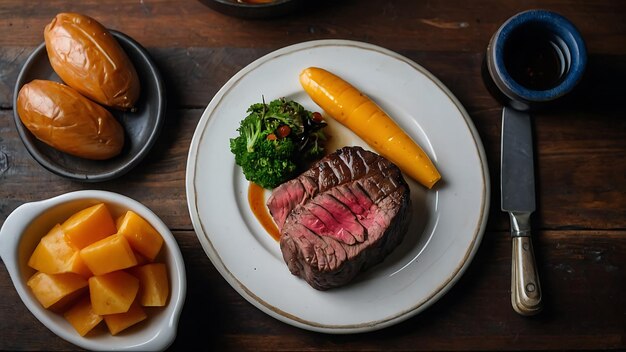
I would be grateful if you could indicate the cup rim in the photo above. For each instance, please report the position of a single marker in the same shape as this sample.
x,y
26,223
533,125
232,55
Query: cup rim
x,y
555,22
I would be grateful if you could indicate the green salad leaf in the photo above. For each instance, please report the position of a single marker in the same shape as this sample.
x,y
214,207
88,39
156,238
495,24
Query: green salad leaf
x,y
276,141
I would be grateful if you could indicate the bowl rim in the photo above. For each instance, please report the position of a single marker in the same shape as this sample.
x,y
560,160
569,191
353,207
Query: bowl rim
x,y
161,104
164,331
272,9
234,3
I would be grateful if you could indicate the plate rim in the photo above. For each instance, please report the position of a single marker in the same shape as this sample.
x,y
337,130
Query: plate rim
x,y
210,251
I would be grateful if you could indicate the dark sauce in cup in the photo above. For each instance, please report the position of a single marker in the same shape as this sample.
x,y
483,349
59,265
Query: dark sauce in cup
x,y
536,59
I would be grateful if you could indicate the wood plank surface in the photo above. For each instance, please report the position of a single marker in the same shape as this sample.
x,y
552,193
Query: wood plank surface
x,y
474,315
399,24
580,145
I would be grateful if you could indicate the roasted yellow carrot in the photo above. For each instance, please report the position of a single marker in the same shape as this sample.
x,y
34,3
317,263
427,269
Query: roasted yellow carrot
x,y
367,120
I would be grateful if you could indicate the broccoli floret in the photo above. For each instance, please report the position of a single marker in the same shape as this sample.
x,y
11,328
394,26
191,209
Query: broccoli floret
x,y
269,165
268,152
251,130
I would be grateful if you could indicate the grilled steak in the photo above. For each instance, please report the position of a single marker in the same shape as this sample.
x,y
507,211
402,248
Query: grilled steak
x,y
340,217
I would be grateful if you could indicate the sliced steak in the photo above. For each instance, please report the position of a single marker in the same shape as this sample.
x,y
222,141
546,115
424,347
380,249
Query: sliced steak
x,y
340,217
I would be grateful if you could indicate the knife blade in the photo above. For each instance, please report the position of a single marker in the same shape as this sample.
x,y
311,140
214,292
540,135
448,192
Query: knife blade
x,y
517,181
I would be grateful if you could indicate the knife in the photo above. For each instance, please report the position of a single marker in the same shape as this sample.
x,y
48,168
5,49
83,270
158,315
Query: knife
x,y
517,180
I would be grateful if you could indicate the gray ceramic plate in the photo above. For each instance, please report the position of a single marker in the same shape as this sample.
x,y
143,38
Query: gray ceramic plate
x,y
141,127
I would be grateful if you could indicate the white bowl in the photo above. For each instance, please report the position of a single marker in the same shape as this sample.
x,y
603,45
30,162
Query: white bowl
x,y
31,221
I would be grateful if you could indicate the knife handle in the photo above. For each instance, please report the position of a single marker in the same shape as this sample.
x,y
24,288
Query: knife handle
x,y
525,287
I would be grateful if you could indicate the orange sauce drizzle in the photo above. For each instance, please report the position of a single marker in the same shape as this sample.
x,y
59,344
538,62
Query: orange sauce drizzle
x,y
256,199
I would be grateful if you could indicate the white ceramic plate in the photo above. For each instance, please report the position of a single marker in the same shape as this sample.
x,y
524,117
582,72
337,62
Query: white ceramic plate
x,y
447,224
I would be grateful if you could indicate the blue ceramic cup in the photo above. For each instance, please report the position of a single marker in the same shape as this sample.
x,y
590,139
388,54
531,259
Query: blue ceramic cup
x,y
535,58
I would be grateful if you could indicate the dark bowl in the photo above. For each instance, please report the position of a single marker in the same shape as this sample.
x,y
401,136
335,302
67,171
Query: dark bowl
x,y
248,10
141,127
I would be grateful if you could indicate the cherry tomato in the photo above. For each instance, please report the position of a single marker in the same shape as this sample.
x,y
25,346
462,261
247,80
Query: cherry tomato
x,y
271,137
283,131
317,117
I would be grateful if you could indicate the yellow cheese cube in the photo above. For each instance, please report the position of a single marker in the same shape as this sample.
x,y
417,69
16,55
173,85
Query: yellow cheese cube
x,y
55,255
140,234
82,317
108,255
154,286
55,291
89,225
121,321
113,292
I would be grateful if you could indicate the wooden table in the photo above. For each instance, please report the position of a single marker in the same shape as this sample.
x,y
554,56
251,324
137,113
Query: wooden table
x,y
580,237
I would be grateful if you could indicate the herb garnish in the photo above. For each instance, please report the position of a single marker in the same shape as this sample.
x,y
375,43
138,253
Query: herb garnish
x,y
276,140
